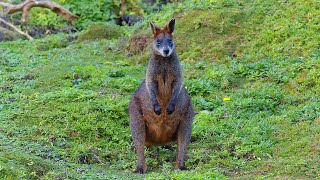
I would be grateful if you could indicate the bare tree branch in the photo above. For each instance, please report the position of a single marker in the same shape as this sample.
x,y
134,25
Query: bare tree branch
x,y
28,4
16,29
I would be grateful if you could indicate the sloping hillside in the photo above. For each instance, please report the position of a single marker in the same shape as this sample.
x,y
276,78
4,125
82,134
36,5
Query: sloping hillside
x,y
251,67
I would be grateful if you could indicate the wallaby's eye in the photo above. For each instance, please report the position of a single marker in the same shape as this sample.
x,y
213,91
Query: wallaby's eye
x,y
158,42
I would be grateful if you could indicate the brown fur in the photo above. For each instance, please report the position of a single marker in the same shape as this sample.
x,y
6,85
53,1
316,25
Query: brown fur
x,y
162,89
156,32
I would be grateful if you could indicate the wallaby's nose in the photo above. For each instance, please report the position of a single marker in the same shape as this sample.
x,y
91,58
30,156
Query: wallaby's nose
x,y
166,51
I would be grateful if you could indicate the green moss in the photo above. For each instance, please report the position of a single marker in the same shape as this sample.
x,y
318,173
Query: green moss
x,y
30,167
64,104
100,31
288,29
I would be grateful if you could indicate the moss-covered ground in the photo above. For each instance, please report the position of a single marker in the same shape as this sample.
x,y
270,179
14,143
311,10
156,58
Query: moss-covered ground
x,y
251,67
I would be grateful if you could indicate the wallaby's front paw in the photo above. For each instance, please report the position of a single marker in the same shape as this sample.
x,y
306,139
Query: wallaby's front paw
x,y
157,109
170,108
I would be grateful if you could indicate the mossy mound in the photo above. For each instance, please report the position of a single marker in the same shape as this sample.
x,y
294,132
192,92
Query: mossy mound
x,y
101,31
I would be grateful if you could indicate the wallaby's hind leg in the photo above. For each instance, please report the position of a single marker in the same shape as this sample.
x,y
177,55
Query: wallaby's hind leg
x,y
184,135
138,133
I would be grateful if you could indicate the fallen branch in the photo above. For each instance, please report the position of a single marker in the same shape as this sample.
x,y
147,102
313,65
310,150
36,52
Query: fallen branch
x,y
16,29
28,4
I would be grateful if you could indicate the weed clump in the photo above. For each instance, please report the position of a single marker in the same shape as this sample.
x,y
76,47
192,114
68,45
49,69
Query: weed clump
x,y
138,43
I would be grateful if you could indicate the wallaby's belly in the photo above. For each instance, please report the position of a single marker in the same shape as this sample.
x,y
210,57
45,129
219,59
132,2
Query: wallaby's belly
x,y
160,130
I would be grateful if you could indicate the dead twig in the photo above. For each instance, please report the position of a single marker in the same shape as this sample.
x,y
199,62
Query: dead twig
x,y
16,29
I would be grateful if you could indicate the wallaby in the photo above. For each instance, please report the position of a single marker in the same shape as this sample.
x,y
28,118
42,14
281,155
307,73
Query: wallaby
x,y
160,110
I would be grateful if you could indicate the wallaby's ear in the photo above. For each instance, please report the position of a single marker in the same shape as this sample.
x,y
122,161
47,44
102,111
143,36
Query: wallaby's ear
x,y
170,26
154,28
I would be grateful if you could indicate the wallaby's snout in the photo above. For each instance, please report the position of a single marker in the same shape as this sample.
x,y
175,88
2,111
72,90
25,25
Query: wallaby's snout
x,y
166,51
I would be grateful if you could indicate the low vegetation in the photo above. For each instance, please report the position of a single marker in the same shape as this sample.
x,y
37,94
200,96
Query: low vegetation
x,y
251,67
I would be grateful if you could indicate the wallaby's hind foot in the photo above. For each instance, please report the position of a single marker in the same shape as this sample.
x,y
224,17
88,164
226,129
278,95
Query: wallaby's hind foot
x,y
182,168
141,169
138,133
184,136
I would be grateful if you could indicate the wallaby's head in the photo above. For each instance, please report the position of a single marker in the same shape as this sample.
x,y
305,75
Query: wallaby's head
x,y
163,43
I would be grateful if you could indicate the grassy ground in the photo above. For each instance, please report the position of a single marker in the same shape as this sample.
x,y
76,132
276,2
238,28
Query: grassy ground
x,y
64,104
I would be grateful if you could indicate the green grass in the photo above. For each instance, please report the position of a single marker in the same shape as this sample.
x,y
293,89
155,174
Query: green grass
x,y
64,104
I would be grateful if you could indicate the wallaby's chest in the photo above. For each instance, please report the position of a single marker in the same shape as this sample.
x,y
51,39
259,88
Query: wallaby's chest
x,y
164,80
164,74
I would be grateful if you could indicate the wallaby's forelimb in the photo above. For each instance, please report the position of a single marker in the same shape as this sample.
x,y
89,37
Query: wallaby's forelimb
x,y
175,92
152,90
